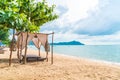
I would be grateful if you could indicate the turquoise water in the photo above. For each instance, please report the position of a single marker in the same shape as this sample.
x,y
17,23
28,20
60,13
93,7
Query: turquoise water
x,y
110,53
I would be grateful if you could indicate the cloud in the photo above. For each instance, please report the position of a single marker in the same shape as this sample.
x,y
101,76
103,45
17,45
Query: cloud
x,y
89,40
105,21
89,21
103,39
70,12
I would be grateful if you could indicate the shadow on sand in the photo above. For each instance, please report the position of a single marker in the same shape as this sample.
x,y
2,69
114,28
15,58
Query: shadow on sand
x,y
5,62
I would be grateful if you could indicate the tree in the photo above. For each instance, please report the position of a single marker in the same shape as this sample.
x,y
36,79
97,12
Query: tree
x,y
4,36
25,15
36,13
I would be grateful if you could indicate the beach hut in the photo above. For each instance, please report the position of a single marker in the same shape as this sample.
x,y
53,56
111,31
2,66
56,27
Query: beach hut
x,y
23,38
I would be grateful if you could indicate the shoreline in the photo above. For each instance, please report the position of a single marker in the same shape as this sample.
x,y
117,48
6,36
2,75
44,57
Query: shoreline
x,y
94,60
107,61
64,68
88,59
75,57
103,62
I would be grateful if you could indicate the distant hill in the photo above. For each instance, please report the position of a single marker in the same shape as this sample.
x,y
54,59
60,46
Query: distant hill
x,y
63,43
69,43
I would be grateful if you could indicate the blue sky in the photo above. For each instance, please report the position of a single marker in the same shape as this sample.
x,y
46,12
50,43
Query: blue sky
x,y
92,22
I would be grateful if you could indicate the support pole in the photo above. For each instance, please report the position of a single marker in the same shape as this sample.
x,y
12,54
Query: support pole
x,y
39,51
52,49
39,46
47,56
25,50
11,48
18,52
18,55
21,47
10,54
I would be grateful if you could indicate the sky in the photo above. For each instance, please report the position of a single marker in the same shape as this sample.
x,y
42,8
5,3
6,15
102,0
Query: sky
x,y
92,22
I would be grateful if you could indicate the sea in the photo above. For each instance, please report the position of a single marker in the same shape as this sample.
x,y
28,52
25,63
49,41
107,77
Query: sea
x,y
107,53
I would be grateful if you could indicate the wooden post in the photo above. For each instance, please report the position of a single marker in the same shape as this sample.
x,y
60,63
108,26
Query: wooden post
x,y
11,48
10,54
47,56
21,46
39,46
25,50
39,51
18,55
52,49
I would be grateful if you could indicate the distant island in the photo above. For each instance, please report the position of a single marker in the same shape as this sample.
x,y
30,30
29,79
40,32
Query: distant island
x,y
69,43
63,43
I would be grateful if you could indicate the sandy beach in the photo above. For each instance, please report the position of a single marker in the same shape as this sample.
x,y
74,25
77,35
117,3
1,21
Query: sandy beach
x,y
64,68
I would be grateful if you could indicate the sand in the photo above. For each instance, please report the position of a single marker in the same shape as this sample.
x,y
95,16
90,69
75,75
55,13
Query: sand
x,y
64,68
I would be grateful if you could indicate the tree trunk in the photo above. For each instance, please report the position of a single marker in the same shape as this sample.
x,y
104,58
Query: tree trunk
x,y
11,48
21,47
18,55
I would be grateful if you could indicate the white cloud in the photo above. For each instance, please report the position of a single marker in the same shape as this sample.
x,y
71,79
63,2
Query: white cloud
x,y
89,40
106,21
75,9
78,9
103,40
89,21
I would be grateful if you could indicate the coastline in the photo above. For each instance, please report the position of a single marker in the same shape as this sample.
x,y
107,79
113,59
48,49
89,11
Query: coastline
x,y
92,60
64,68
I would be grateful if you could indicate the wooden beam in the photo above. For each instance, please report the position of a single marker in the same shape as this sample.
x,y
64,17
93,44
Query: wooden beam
x,y
50,33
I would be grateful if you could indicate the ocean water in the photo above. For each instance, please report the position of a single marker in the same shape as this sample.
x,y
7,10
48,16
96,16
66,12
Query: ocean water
x,y
109,53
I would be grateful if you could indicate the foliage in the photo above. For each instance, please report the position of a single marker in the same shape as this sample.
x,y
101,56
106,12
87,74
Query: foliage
x,y
25,15
4,34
